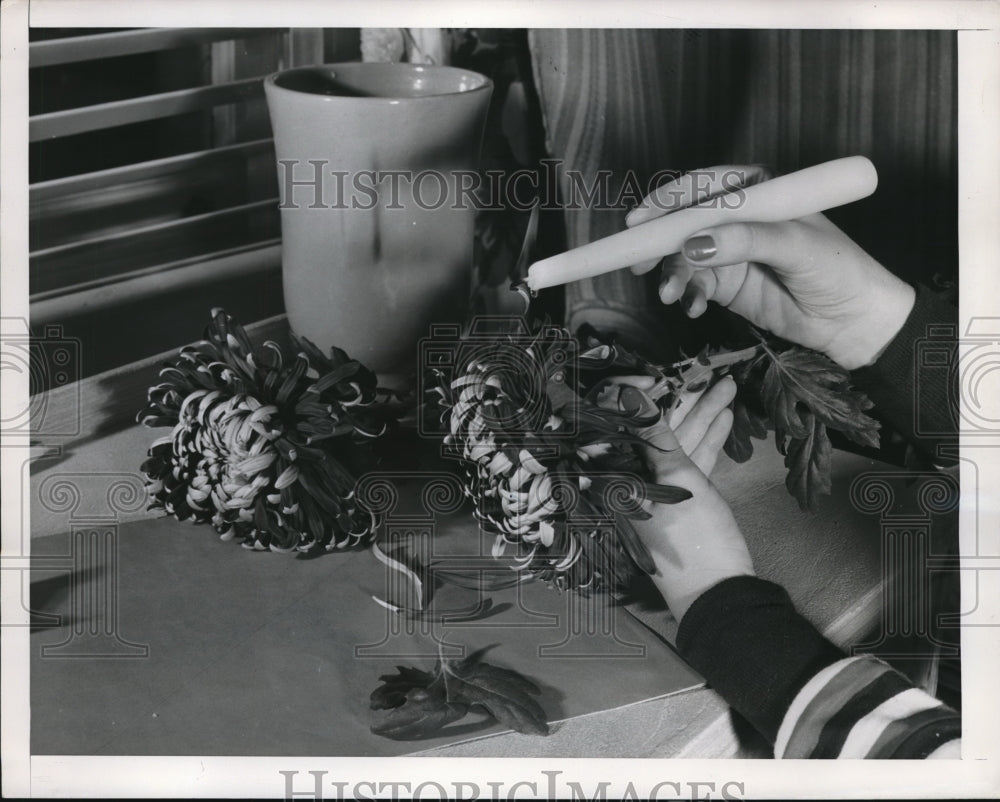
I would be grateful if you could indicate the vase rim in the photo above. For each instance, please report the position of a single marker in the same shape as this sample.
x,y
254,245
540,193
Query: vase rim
x,y
461,81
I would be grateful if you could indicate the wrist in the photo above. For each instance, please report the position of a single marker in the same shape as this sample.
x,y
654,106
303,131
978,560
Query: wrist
x,y
888,307
679,596
696,551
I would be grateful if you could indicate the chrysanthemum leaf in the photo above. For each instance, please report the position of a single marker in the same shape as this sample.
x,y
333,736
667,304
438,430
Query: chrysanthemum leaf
x,y
421,704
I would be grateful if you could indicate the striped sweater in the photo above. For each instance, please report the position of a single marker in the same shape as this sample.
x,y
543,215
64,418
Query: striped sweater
x,y
801,692
860,707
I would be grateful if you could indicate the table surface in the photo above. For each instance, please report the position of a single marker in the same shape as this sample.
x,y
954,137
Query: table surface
x,y
225,651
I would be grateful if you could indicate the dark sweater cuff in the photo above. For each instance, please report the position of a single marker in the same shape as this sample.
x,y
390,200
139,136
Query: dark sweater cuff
x,y
912,384
746,639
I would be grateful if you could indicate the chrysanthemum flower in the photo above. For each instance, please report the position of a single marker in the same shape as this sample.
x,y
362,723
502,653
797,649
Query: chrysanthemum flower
x,y
554,474
263,448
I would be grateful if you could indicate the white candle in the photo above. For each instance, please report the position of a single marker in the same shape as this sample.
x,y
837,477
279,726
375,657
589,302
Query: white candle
x,y
788,197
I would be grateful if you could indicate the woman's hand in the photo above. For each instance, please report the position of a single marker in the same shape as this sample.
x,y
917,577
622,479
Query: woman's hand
x,y
695,544
804,280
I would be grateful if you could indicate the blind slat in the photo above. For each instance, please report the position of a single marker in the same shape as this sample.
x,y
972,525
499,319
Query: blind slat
x,y
139,109
235,263
72,49
157,199
65,267
165,314
43,191
145,230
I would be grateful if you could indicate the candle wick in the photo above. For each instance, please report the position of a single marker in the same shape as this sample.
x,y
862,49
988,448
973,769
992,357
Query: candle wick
x,y
526,293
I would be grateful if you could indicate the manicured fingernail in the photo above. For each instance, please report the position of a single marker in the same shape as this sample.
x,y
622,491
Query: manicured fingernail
x,y
698,249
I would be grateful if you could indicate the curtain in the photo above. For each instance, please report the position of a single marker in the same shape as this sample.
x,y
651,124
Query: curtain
x,y
682,99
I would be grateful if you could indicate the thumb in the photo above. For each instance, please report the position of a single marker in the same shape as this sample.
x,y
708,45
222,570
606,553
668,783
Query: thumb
x,y
661,439
784,247
667,459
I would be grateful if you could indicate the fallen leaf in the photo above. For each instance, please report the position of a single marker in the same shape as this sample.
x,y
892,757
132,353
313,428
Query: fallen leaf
x,y
421,703
505,694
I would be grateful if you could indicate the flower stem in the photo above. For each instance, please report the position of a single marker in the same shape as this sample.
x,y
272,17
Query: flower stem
x,y
672,381
444,668
723,358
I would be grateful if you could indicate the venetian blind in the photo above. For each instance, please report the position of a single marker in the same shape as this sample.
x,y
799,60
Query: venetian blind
x,y
153,192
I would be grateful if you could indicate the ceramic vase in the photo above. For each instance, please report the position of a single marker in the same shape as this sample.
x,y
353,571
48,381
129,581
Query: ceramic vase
x,y
376,233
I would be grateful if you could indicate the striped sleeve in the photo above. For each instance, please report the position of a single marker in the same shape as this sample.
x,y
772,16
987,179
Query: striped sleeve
x,y
798,690
860,707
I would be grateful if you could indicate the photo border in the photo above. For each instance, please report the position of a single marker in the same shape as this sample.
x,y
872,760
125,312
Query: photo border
x,y
976,775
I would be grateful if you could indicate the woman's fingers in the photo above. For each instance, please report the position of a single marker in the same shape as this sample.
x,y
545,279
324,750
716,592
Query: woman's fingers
x,y
784,247
664,453
684,281
706,454
696,431
675,274
684,405
693,428
686,402
700,289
